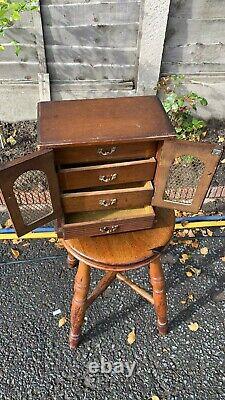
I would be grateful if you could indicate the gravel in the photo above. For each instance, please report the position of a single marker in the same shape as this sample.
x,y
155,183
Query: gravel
x,y
36,362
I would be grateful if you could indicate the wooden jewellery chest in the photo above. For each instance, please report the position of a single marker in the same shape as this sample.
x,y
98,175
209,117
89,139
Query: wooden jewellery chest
x,y
102,167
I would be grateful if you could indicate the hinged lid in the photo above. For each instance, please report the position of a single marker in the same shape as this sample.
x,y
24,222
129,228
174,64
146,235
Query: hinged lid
x,y
85,122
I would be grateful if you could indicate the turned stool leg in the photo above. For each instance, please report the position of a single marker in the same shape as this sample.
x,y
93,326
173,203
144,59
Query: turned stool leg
x,y
157,280
71,260
78,308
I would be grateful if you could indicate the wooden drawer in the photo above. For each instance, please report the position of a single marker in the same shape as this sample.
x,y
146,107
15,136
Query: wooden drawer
x,y
87,154
108,174
134,197
97,223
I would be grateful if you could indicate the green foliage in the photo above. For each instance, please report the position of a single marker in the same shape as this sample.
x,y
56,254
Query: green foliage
x,y
10,13
180,108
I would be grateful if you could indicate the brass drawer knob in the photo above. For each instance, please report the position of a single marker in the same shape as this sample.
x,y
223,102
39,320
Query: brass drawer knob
x,y
109,229
106,152
109,178
107,203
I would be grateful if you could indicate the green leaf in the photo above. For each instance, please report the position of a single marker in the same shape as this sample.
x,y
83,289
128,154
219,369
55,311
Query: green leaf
x,y
17,47
15,15
203,101
2,48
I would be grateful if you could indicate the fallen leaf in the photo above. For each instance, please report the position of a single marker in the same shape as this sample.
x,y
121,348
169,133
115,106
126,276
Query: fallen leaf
x,y
17,241
184,257
59,244
223,259
193,326
15,253
62,321
188,242
195,244
25,244
189,297
8,223
165,350
204,251
189,274
131,337
191,234
223,161
220,139
196,271
52,240
209,232
178,213
154,397
11,140
181,233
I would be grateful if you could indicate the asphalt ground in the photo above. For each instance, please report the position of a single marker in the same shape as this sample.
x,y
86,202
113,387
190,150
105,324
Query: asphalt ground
x,y
35,359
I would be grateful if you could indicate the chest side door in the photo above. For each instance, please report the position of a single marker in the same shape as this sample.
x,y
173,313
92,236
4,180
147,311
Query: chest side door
x,y
184,173
30,190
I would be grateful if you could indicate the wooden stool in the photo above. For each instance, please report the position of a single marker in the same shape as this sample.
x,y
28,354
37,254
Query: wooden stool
x,y
115,254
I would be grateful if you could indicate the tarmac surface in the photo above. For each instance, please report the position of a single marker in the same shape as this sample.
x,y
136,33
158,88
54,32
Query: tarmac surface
x,y
35,359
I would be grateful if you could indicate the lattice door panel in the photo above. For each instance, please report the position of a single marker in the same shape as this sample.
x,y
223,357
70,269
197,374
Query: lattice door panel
x,y
30,190
184,173
183,179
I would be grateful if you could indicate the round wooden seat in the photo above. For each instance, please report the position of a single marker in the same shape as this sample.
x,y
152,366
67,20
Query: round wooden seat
x,y
124,251
117,253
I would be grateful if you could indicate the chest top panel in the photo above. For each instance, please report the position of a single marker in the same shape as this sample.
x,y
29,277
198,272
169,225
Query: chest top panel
x,y
86,122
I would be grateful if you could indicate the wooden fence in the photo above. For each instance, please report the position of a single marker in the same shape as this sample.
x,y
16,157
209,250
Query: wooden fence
x,y
93,48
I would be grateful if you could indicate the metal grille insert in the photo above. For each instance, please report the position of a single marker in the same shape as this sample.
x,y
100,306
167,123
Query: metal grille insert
x,y
183,179
31,191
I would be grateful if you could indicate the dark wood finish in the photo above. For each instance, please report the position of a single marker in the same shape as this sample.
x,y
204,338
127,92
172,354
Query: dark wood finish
x,y
127,250
102,121
157,281
208,153
124,251
115,152
135,197
78,307
42,161
107,174
107,222
106,280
